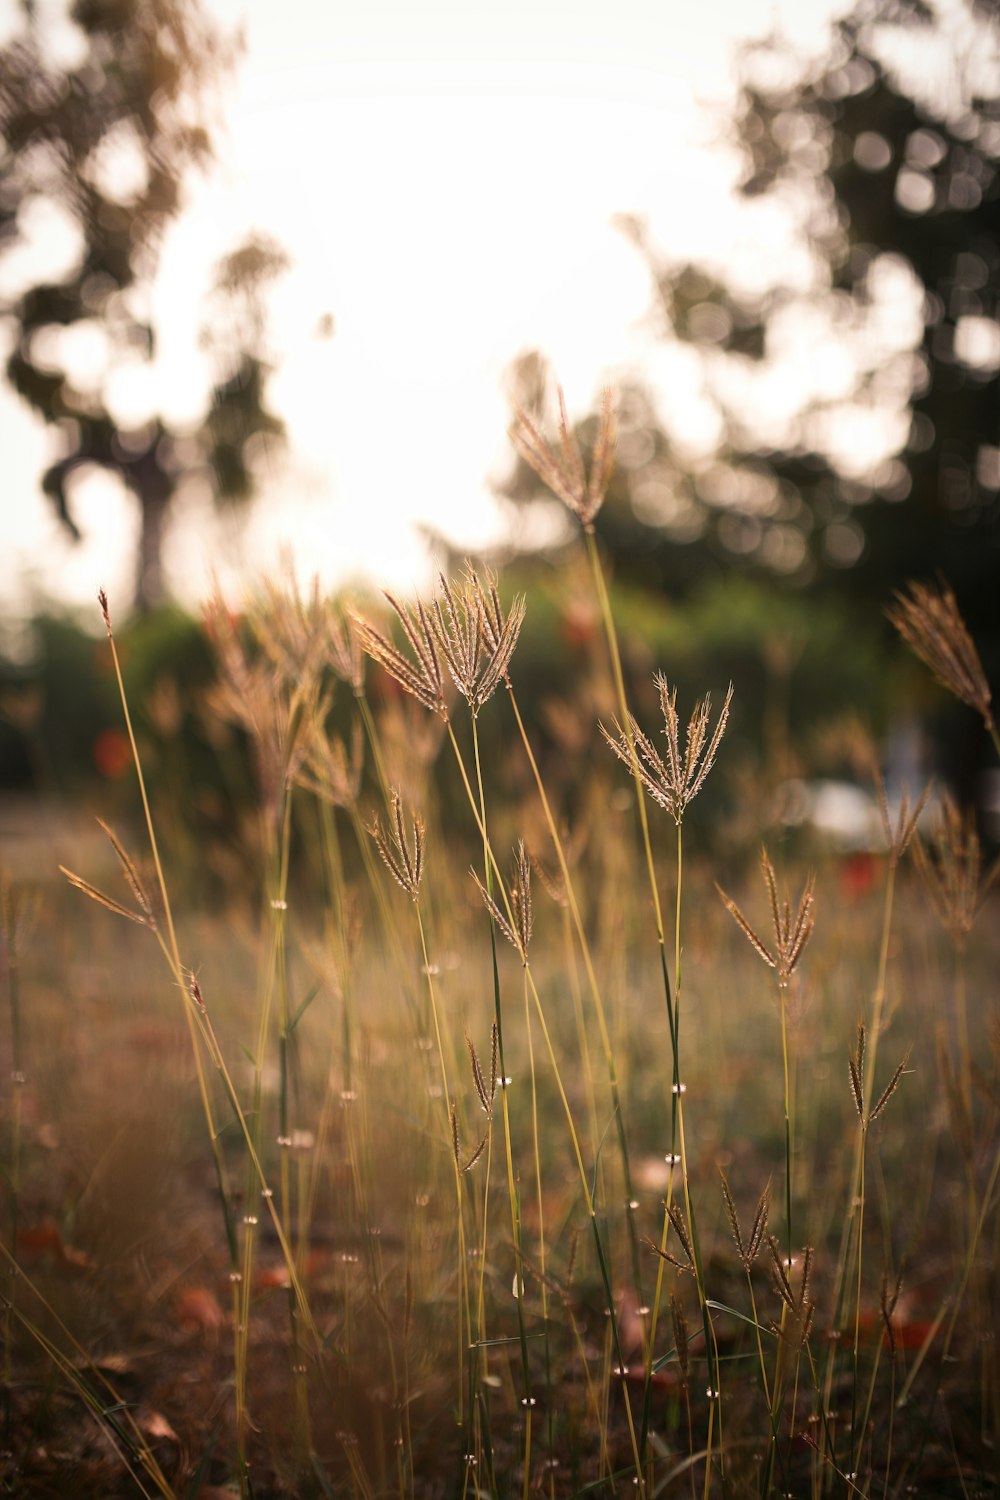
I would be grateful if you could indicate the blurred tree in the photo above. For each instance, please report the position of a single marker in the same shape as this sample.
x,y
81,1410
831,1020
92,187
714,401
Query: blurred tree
x,y
853,405
103,115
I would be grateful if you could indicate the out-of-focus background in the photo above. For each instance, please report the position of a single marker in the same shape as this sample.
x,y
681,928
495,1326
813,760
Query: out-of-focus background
x,y
272,277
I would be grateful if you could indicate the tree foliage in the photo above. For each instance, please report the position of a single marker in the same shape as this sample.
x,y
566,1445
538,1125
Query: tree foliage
x,y
882,158
101,124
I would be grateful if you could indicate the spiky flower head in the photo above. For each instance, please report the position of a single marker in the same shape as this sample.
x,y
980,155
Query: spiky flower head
x,y
931,624
406,865
473,637
951,865
420,676
791,933
517,929
673,782
560,466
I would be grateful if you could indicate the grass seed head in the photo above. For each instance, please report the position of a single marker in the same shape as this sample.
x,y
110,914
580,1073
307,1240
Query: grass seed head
x,y
951,865
560,465
402,853
791,933
672,783
931,624
420,676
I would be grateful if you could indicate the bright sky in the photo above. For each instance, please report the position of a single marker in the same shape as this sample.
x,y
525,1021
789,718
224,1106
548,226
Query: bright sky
x,y
444,176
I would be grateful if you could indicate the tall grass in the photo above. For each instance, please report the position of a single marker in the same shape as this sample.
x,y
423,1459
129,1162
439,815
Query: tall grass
x,y
408,1255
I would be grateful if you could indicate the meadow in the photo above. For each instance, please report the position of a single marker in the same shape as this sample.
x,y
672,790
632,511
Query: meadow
x,y
501,1125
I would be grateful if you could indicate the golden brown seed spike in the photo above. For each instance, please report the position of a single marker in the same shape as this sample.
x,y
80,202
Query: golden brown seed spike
x,y
102,600
856,1063
103,900
676,1216
931,624
511,934
455,1143
734,1222
781,1283
421,677
477,1076
667,1255
494,1058
888,1091
756,942
475,1155
759,1228
521,898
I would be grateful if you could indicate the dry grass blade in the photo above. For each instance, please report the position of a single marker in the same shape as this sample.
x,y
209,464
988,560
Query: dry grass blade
x,y
931,624
681,1341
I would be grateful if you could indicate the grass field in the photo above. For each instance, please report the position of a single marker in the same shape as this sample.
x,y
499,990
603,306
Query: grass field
x,y
571,1173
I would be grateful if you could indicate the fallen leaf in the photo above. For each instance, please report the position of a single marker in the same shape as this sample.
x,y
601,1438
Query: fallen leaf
x,y
197,1307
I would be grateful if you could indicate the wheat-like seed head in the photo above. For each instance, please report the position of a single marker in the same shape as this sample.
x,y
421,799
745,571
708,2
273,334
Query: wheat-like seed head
x,y
561,466
472,635
673,783
273,707
421,677
791,933
406,865
931,624
749,1250
952,869
899,834
518,931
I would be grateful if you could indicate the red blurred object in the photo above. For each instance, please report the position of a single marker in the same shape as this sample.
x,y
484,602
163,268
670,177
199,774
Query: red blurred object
x,y
112,754
44,1241
197,1307
858,873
